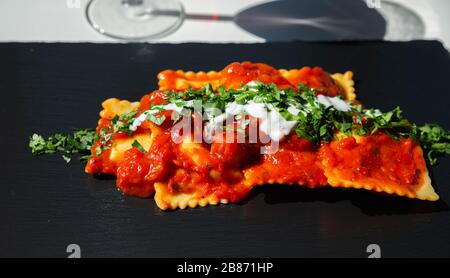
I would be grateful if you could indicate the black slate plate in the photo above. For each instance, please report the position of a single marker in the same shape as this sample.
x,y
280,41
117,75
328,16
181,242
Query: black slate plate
x,y
46,205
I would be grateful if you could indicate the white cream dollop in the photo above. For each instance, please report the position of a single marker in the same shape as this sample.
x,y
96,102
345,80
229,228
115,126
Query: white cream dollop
x,y
272,123
336,102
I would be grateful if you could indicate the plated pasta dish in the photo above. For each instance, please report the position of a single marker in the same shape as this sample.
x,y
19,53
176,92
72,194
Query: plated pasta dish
x,y
208,138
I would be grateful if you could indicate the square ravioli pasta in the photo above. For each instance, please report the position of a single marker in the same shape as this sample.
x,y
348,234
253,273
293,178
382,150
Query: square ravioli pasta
x,y
323,137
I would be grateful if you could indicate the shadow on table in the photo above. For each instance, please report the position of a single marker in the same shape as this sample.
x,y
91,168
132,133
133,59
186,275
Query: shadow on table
x,y
370,203
322,20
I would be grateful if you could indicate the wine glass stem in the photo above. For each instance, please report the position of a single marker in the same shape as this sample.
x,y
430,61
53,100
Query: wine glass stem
x,y
132,2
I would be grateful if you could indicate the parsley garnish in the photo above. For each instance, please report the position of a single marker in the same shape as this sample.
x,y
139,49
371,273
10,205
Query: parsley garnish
x,y
156,120
123,122
435,141
105,135
138,146
98,150
66,158
80,142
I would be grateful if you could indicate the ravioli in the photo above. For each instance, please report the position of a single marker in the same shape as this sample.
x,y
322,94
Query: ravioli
x,y
115,106
188,174
169,200
384,160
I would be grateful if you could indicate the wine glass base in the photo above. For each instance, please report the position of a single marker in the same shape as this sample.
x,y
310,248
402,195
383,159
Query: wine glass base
x,y
150,19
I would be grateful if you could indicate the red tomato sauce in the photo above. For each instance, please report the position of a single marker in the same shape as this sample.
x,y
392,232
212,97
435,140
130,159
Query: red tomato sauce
x,y
318,79
377,156
236,74
296,162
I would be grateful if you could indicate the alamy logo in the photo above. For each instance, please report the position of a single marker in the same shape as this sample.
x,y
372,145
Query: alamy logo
x,y
74,251
73,4
373,250
373,4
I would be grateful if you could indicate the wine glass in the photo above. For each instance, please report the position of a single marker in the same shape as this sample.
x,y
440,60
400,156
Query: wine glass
x,y
135,19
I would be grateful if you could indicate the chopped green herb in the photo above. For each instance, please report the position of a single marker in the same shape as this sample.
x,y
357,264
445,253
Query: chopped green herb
x,y
435,141
156,120
105,135
84,157
38,145
123,122
66,158
98,150
80,142
138,146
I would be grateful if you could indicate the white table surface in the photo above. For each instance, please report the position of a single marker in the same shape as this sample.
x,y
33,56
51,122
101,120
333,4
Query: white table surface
x,y
54,21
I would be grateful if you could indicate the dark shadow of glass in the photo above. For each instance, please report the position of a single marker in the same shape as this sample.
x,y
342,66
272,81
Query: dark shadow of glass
x,y
308,20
